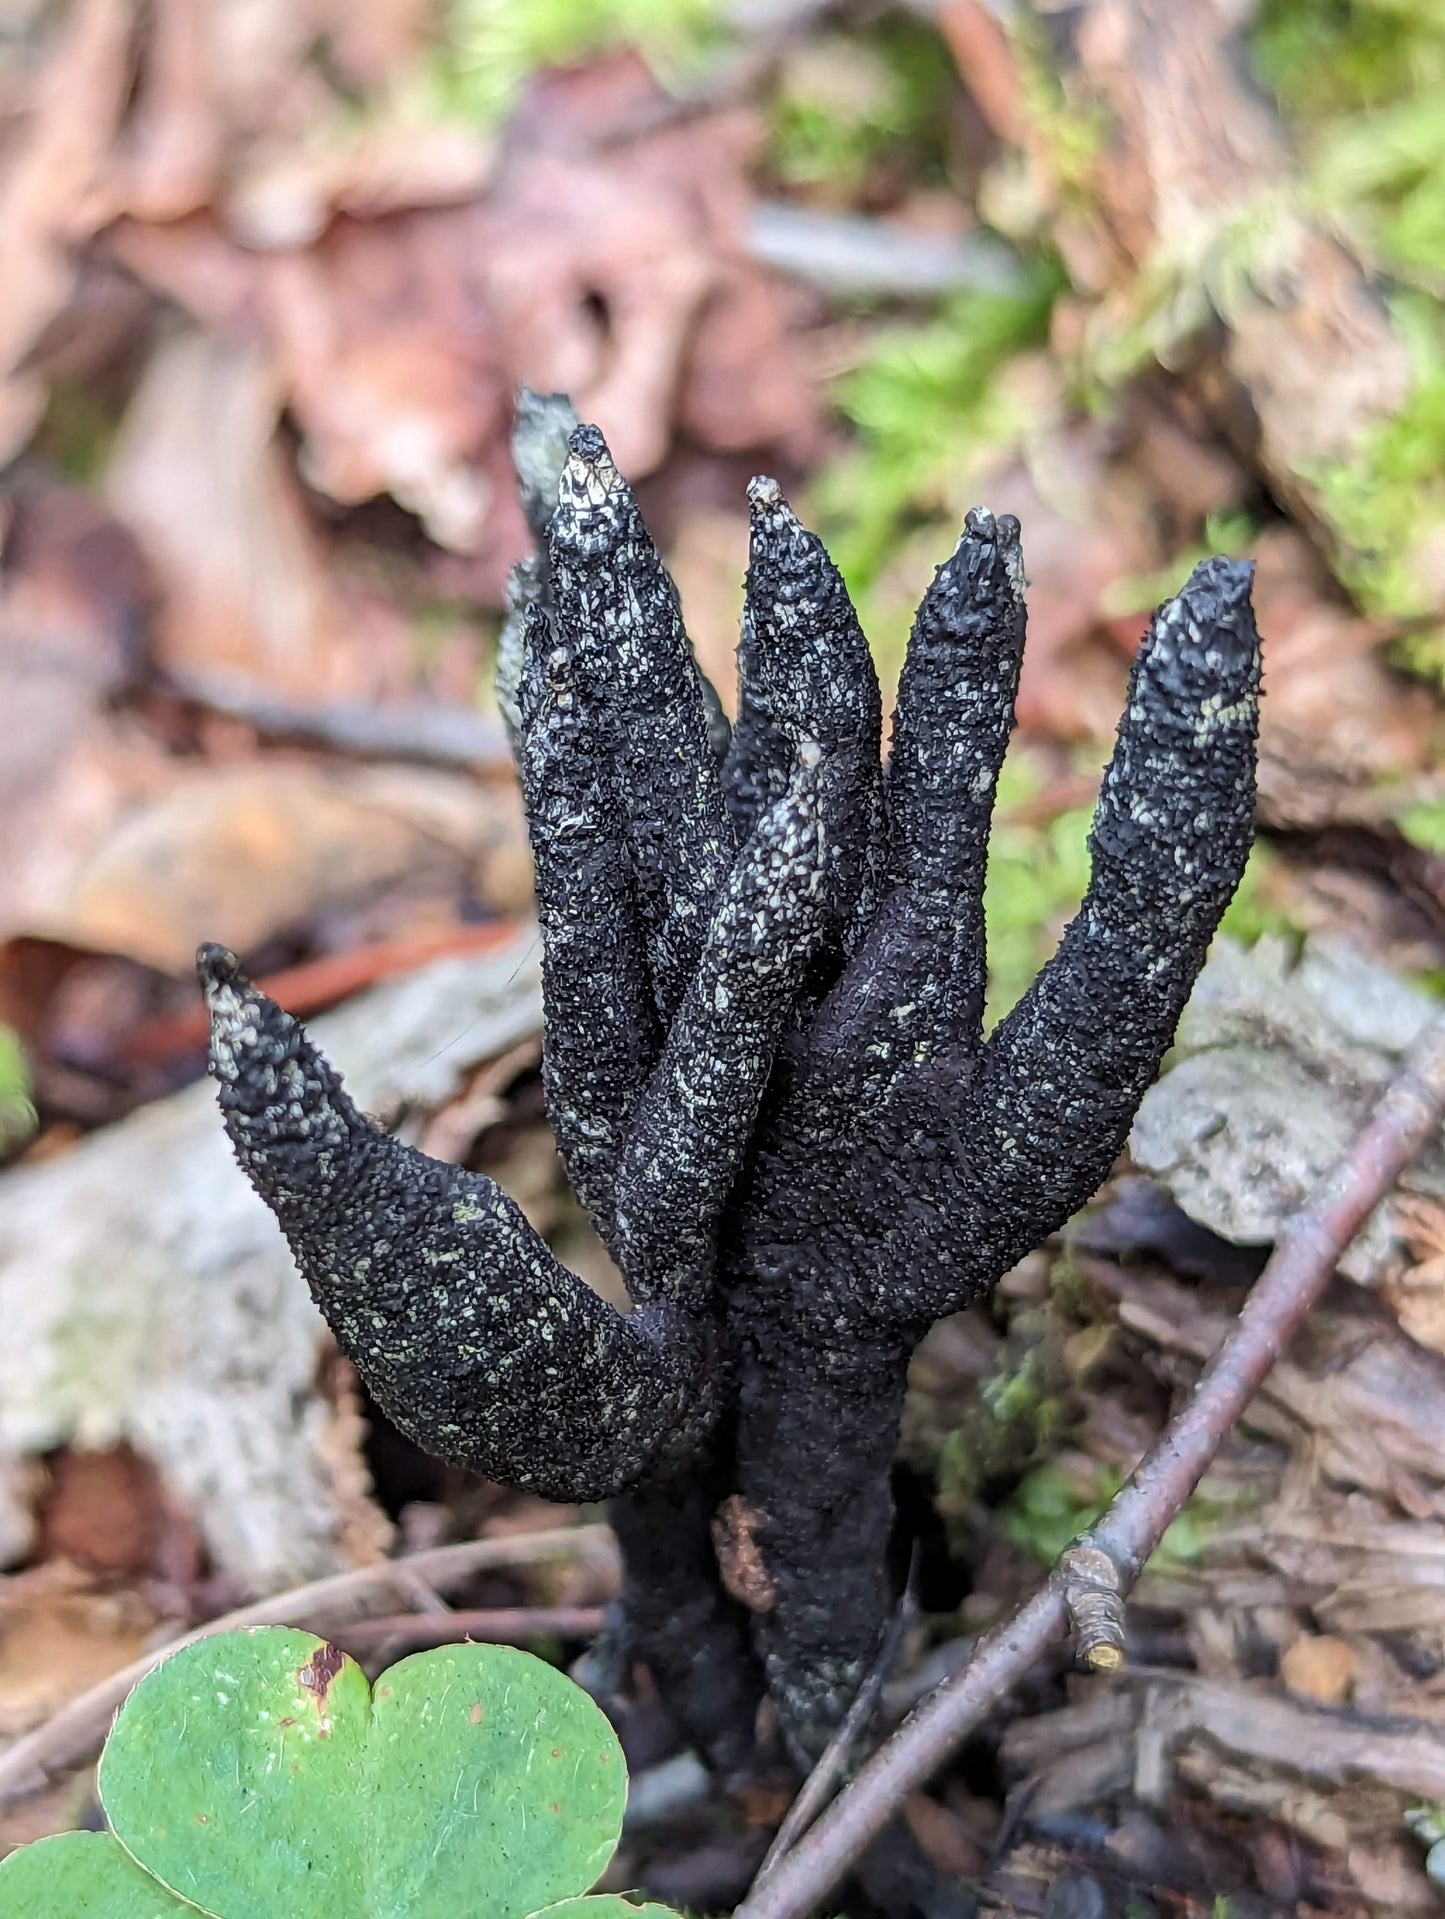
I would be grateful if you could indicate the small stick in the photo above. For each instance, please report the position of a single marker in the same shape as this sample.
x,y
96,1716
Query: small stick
x,y
1308,1248
423,1595
817,1788
80,1726
497,1625
422,733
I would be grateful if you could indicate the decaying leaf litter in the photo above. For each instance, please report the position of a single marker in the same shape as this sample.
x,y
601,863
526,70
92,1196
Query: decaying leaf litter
x,y
268,293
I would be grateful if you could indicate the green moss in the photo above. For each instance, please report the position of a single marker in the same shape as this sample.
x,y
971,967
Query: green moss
x,y
17,1110
1423,825
926,403
1045,1512
850,101
1198,271
1073,135
1360,82
1393,486
492,46
1021,1412
1327,58
1048,1510
1038,869
1020,1395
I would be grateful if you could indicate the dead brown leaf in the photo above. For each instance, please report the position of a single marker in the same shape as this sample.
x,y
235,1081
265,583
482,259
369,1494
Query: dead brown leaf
x,y
708,558
1335,711
200,480
244,852
57,1647
176,135
54,194
943,1837
103,1511
74,598
1417,1294
1319,1667
606,257
1082,534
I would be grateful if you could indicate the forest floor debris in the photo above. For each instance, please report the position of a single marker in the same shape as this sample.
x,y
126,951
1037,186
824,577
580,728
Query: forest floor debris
x,y
270,274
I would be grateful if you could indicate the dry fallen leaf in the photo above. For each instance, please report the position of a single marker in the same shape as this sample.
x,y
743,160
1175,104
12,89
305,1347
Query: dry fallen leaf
x,y
708,558
242,853
102,1510
1081,536
943,1837
176,132
54,195
55,1648
199,477
1317,1666
1416,1293
74,597
605,256
1336,710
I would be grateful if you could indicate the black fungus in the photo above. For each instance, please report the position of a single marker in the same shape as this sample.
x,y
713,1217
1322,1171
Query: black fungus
x,y
764,1065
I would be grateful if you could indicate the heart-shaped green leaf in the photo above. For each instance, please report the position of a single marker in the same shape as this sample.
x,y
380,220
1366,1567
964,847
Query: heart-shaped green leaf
x,y
81,1873
257,1777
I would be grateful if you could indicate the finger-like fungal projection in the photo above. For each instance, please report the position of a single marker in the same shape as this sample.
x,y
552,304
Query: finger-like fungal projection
x,y
613,599
471,1336
764,1064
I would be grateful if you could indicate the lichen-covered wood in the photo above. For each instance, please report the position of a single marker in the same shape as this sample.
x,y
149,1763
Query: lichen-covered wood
x,y
766,1070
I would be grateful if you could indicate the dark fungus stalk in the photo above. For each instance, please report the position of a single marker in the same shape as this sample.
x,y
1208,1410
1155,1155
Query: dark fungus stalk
x,y
765,1065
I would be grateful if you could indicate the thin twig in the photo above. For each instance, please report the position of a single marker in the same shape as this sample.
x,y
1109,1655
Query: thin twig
x,y
420,732
1306,1253
78,1728
851,254
817,1789
499,1625
423,1595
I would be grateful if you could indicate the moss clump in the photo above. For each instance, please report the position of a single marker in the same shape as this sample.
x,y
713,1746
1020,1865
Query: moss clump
x,y
17,1109
1423,825
1052,1505
850,106
1039,866
926,402
1073,134
1360,83
1391,488
491,47
1022,1412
